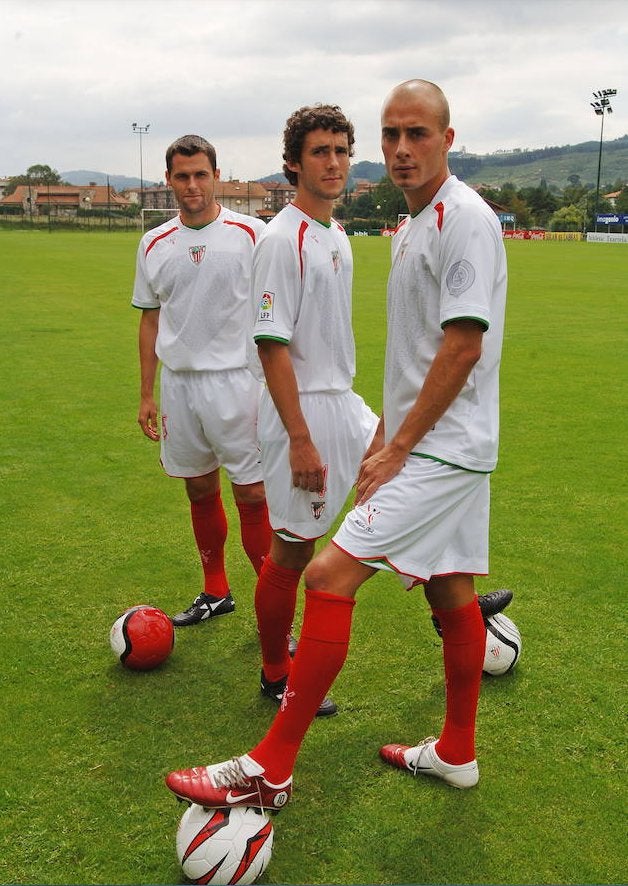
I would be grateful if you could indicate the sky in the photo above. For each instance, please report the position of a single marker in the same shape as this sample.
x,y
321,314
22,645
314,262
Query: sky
x,y
78,73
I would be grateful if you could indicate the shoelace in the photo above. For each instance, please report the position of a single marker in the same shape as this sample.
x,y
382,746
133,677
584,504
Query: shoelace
x,y
231,775
421,745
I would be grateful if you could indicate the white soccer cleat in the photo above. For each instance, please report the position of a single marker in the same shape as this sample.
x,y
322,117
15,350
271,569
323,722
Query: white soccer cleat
x,y
423,760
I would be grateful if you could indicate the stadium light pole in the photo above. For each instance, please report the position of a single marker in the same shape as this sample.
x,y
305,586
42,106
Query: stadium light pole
x,y
141,130
601,107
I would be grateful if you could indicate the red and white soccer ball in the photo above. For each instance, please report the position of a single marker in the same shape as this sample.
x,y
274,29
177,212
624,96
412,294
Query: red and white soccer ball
x,y
224,845
142,638
503,645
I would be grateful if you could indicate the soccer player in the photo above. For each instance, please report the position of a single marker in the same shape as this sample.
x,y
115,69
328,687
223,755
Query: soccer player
x,y
313,428
422,494
192,285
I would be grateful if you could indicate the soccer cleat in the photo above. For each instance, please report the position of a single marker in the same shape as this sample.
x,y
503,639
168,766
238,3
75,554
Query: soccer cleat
x,y
236,782
490,604
292,646
423,760
275,692
205,606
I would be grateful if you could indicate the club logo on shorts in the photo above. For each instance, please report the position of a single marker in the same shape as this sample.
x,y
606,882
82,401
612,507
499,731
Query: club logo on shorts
x,y
197,254
317,509
335,260
460,277
265,311
371,513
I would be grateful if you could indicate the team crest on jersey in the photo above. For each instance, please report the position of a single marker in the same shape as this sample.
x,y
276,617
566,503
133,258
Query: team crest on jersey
x,y
335,260
197,254
317,509
266,306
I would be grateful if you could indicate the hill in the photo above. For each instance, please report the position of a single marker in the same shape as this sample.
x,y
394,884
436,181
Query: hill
x,y
117,182
524,168
527,168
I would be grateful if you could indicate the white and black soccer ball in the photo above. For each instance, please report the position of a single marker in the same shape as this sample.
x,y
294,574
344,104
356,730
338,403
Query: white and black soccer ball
x,y
503,645
224,845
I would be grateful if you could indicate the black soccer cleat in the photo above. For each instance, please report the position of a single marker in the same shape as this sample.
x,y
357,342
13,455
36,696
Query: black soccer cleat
x,y
275,692
490,604
205,606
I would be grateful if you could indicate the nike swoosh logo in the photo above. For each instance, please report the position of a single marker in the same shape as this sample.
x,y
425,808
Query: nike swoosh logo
x,y
237,798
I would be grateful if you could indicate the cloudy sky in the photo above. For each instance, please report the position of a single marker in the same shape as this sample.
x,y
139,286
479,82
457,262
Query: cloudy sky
x,y
77,73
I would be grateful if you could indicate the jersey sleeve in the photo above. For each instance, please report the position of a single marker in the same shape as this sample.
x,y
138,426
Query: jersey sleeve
x,y
143,295
276,288
470,264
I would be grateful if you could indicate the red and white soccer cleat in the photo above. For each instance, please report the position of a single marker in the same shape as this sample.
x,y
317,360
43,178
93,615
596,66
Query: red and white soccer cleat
x,y
236,782
423,760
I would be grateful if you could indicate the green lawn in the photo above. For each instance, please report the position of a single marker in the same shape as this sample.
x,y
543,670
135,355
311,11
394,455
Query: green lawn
x,y
91,526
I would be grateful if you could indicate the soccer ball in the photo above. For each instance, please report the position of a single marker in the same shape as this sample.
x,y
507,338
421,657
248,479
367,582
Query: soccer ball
x,y
503,645
224,845
142,637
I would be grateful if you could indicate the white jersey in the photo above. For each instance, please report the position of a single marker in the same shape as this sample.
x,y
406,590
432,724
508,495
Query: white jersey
x,y
448,263
200,279
302,277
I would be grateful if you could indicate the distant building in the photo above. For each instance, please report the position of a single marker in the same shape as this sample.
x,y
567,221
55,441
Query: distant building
x,y
280,194
4,182
155,197
63,199
612,197
363,186
250,198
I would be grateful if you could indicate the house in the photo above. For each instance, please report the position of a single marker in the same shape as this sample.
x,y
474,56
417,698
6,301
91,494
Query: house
x,y
363,186
612,197
250,198
152,197
68,200
280,194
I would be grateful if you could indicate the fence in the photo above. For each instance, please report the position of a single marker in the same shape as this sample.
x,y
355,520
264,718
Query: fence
x,y
82,222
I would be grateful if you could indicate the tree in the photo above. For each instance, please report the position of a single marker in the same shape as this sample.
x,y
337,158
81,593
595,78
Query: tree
x,y
35,175
567,218
390,199
541,202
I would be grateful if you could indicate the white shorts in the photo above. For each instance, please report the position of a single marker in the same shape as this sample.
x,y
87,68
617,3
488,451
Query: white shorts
x,y
209,420
430,519
342,427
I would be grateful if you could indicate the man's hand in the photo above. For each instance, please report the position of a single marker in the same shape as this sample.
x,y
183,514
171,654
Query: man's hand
x,y
378,469
307,469
147,418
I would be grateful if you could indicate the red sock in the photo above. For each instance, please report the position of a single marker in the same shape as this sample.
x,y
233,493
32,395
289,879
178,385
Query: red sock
x,y
255,531
464,642
322,651
275,601
210,530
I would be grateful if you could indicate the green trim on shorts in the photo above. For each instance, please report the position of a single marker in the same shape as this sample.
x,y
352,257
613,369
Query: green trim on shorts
x,y
449,464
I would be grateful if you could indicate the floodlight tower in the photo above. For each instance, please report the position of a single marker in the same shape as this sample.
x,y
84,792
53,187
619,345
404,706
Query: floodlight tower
x,y
601,106
141,130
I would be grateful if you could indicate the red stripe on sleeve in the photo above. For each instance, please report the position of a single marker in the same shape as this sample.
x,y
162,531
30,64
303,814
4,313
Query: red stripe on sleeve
x,y
440,209
246,228
161,237
302,229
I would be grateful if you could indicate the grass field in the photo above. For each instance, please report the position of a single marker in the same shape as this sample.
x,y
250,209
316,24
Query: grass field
x,y
91,526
